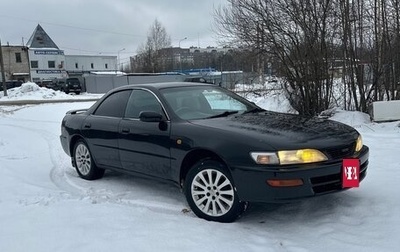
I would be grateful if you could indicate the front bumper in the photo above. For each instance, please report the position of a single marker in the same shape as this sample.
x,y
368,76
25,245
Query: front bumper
x,y
318,179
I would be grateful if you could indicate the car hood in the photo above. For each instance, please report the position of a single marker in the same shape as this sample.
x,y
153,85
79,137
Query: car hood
x,y
283,131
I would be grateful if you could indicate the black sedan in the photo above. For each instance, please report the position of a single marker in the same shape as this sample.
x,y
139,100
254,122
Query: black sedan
x,y
223,150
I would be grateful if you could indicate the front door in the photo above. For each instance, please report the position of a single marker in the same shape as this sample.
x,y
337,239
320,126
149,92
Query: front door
x,y
144,146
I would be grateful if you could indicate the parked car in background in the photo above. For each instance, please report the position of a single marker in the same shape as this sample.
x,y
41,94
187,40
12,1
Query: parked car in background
x,y
221,149
52,84
11,84
70,85
197,79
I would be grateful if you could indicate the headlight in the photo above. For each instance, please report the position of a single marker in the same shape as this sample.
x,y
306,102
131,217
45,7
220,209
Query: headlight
x,y
289,157
359,143
301,156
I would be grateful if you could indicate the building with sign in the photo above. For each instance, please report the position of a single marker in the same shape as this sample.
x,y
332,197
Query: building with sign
x,y
41,60
46,60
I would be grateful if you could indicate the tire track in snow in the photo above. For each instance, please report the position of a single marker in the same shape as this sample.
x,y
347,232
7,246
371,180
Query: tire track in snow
x,y
115,188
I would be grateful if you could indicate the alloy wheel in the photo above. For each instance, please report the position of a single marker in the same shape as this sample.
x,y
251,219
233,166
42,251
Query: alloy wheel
x,y
212,192
83,159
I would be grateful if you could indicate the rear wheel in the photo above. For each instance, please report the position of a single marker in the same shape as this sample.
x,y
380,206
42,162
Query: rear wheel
x,y
210,192
84,164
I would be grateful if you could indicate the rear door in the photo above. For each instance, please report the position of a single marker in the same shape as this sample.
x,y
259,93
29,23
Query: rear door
x,y
101,129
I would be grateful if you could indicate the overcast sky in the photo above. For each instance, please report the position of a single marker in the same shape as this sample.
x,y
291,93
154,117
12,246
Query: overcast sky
x,y
107,26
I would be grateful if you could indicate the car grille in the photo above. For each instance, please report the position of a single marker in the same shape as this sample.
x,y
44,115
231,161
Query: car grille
x,y
341,152
333,182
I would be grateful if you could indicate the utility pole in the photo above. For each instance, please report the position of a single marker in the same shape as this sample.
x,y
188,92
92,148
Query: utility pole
x,y
3,76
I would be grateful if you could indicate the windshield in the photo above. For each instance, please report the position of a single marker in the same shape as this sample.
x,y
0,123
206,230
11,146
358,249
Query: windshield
x,y
200,102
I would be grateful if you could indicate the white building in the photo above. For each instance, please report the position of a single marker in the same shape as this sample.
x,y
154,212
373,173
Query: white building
x,y
79,64
46,60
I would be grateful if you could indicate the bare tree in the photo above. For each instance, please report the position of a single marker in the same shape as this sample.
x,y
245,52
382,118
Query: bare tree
x,y
309,37
371,48
298,33
148,58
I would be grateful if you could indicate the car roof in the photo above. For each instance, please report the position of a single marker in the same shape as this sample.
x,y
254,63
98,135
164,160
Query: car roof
x,y
162,85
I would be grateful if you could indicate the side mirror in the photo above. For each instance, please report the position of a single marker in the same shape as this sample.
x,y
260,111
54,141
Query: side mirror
x,y
150,116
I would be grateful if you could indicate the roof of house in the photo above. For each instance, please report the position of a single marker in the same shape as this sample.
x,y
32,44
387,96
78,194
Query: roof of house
x,y
40,39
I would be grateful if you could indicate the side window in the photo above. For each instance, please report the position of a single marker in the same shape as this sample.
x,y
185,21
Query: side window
x,y
114,105
142,100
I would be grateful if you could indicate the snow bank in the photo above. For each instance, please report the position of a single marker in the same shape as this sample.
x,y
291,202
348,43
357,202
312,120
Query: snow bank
x,y
269,96
352,118
32,91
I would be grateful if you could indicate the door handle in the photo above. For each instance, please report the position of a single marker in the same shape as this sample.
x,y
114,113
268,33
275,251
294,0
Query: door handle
x,y
87,125
125,130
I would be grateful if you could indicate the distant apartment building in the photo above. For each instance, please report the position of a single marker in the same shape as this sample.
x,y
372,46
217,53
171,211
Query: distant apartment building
x,y
174,58
16,63
178,59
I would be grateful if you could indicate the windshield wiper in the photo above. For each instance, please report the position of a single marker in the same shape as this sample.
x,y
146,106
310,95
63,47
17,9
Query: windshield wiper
x,y
254,110
226,113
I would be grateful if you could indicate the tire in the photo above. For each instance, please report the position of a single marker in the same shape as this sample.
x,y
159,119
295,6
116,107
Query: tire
x,y
84,163
210,192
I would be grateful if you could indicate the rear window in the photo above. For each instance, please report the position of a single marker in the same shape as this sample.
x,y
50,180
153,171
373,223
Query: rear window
x,y
114,105
73,81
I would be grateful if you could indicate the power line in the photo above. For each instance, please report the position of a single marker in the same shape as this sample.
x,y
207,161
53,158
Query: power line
x,y
91,51
86,29
96,30
74,27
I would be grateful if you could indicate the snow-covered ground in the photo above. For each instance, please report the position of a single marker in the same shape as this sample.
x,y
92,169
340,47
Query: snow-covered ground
x,y
44,206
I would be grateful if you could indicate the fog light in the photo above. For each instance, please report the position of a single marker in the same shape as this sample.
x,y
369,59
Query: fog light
x,y
284,182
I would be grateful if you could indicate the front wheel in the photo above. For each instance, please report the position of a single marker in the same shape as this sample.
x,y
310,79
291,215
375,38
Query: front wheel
x,y
210,192
84,164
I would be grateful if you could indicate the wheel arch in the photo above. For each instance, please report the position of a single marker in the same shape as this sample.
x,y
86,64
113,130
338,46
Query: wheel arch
x,y
195,156
72,143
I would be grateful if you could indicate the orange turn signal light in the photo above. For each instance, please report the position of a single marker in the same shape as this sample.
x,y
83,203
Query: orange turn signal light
x,y
284,182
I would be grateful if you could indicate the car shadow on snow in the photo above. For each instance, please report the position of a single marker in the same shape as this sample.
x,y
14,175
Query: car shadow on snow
x,y
159,196
310,211
121,188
